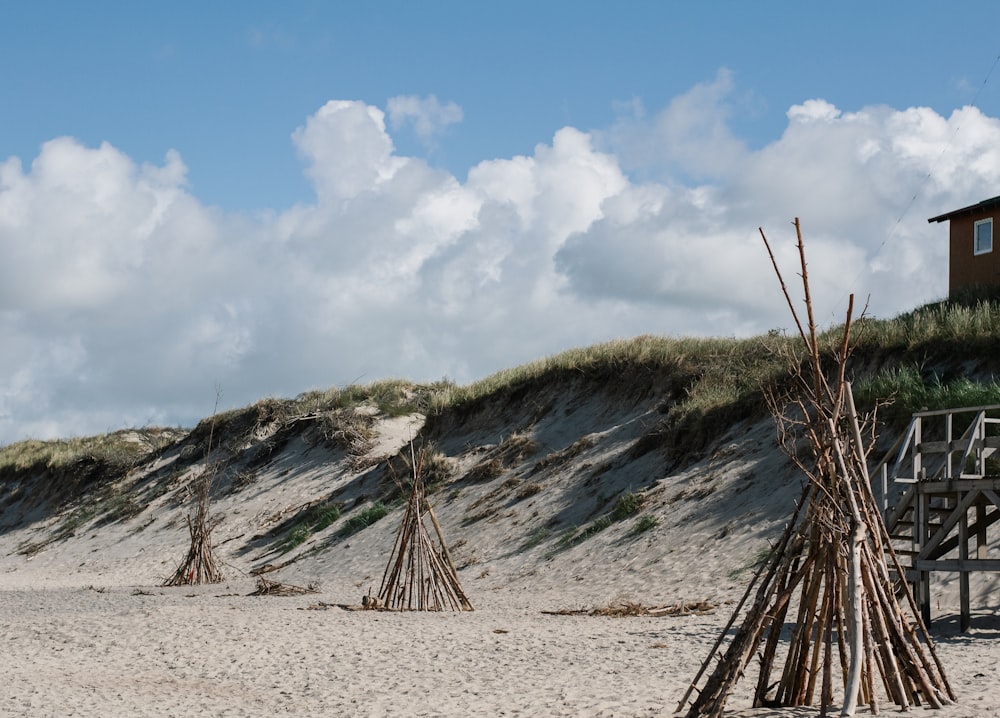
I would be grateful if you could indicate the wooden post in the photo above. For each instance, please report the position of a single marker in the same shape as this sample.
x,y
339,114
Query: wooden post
x,y
981,528
965,616
947,443
981,441
921,530
885,492
855,629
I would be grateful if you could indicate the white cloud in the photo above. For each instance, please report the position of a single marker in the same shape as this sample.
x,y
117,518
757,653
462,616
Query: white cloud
x,y
427,115
691,137
347,150
55,260
813,111
125,300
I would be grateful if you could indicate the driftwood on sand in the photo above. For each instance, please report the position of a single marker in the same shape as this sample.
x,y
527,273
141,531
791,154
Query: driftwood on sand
x,y
266,587
628,608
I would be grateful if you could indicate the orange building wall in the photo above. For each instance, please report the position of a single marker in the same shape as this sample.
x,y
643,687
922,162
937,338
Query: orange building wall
x,y
966,269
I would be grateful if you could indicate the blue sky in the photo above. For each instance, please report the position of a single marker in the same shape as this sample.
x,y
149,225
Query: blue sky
x,y
272,198
226,83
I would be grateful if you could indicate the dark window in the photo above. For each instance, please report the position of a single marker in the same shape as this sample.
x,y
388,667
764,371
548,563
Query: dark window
x,y
984,236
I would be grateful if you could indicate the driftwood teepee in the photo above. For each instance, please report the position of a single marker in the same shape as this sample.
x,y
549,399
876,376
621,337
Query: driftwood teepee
x,y
420,575
199,565
829,573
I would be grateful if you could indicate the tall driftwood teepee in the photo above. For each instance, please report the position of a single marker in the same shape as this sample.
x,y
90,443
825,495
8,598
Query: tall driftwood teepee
x,y
833,572
420,575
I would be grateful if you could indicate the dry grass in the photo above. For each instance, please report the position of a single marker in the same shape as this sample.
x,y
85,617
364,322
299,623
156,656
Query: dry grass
x,y
563,456
527,491
350,430
121,449
516,448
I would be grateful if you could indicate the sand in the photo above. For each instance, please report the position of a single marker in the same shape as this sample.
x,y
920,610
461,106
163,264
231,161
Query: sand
x,y
147,651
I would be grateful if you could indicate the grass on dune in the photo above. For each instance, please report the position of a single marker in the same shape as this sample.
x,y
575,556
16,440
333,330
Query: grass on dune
x,y
708,379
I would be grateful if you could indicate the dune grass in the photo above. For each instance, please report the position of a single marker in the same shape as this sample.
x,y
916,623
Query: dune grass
x,y
390,397
118,450
709,382
922,358
363,519
313,520
626,506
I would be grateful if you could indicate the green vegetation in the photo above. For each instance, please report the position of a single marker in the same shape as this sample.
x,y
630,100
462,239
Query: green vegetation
x,y
912,390
536,537
712,382
391,397
312,520
627,505
595,527
942,355
364,518
644,523
58,473
118,505
663,356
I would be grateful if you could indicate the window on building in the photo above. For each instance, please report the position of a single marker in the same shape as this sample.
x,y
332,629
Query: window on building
x,y
984,236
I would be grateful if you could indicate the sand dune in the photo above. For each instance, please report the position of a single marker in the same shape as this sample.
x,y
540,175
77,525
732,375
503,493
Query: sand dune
x,y
87,630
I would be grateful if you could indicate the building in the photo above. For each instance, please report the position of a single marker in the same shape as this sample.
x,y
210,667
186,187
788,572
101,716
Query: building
x,y
971,259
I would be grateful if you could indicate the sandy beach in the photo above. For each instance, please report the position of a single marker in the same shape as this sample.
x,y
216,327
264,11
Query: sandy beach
x,y
84,652
214,651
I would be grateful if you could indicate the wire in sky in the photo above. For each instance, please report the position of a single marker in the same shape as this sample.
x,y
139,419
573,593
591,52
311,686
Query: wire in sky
x,y
923,183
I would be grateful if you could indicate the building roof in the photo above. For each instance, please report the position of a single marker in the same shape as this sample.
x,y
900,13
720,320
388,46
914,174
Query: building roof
x,y
971,209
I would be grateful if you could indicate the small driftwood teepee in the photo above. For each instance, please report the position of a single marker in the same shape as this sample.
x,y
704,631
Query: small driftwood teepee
x,y
199,565
833,573
420,575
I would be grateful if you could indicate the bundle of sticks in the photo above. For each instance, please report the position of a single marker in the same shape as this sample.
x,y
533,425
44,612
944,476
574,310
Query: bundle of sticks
x,y
833,570
199,565
420,575
266,587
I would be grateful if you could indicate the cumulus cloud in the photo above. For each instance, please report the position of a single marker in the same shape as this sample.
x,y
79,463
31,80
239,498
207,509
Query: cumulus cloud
x,y
55,261
690,137
124,300
346,149
428,117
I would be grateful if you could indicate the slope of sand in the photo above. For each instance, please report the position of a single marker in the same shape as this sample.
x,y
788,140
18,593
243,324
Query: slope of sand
x,y
87,630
